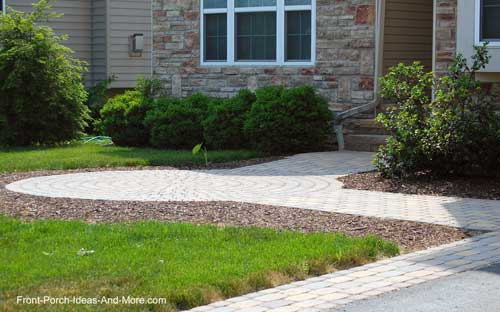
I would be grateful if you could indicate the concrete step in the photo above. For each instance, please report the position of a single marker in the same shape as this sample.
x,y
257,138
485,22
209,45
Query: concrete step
x,y
363,126
364,142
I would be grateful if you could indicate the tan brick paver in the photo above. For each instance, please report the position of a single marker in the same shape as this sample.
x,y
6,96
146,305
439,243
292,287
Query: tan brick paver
x,y
307,181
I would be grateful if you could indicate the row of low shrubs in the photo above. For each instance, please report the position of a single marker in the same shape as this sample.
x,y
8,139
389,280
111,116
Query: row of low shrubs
x,y
273,119
454,132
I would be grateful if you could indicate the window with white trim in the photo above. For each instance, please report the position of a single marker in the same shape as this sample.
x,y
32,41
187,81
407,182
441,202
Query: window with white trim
x,y
258,32
489,20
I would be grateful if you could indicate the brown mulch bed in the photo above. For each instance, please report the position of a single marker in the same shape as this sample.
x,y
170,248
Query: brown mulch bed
x,y
408,235
470,187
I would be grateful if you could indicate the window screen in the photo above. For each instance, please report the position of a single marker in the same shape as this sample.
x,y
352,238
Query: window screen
x,y
256,36
215,37
490,20
298,35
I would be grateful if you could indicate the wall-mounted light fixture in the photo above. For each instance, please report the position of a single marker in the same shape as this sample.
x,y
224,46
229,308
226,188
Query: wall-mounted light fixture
x,y
136,43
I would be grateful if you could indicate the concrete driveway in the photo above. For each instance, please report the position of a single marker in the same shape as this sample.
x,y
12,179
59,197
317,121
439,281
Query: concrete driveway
x,y
472,291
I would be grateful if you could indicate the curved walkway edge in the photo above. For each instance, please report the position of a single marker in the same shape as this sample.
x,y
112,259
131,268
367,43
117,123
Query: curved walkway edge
x,y
307,181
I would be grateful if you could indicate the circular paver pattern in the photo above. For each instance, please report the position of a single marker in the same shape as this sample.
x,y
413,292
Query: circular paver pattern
x,y
302,174
306,181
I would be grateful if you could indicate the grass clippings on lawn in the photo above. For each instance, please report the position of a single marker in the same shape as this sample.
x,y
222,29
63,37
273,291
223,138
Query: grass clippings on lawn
x,y
464,187
407,234
80,156
188,265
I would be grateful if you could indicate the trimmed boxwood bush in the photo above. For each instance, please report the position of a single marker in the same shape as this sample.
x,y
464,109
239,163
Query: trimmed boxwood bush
x,y
42,97
223,126
288,120
122,118
177,123
272,120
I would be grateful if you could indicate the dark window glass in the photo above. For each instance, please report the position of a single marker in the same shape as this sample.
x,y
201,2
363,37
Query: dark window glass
x,y
214,4
298,36
490,20
256,36
215,37
297,2
254,3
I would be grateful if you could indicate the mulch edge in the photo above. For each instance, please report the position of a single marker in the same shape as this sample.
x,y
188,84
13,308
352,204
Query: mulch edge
x,y
456,187
408,235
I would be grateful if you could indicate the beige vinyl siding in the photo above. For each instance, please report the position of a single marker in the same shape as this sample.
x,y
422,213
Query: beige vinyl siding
x,y
99,68
99,32
75,23
408,32
127,17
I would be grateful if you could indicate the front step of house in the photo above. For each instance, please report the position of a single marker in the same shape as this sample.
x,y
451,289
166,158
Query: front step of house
x,y
365,135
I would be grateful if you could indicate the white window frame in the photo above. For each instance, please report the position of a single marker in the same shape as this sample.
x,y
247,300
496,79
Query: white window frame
x,y
477,28
280,10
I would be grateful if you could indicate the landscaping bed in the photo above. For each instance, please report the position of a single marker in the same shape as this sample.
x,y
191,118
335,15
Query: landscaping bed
x,y
408,235
470,187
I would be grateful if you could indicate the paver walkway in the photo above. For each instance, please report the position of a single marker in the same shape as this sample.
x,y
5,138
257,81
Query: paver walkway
x,y
306,181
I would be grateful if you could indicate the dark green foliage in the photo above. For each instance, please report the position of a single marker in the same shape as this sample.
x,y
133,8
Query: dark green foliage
x,y
122,118
223,126
457,133
276,120
148,87
288,120
177,123
42,97
409,87
96,100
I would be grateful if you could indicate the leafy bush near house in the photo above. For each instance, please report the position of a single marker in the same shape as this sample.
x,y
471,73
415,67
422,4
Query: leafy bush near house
x,y
457,133
177,123
410,87
42,97
288,120
95,102
122,118
223,125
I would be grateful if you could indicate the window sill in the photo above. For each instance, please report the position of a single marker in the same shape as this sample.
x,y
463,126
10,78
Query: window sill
x,y
258,64
491,44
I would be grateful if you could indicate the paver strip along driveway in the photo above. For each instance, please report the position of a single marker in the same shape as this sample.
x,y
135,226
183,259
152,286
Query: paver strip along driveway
x,y
306,181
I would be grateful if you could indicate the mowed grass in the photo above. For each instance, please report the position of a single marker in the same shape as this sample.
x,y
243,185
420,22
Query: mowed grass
x,y
95,156
189,265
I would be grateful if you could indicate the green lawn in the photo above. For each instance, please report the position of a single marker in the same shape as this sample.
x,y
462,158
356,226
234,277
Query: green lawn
x,y
94,156
187,264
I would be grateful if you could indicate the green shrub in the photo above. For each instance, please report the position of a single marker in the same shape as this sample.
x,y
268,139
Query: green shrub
x,y
148,87
288,120
95,102
177,123
122,118
42,97
409,88
462,135
223,125
457,133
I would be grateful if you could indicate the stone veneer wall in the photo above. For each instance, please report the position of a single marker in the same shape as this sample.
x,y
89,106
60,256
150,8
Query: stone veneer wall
x,y
446,33
446,43
344,70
